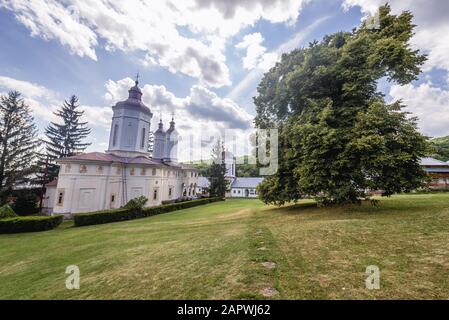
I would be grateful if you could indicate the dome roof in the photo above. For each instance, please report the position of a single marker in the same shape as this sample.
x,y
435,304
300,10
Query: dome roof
x,y
134,100
172,125
160,129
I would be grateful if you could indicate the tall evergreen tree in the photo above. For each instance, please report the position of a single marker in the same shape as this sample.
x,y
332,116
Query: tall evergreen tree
x,y
65,139
217,171
337,135
18,143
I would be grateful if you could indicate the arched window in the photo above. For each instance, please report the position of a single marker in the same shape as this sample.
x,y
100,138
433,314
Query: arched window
x,y
114,135
142,142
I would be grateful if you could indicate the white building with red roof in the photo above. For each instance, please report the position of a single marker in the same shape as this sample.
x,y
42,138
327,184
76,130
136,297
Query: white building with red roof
x,y
99,181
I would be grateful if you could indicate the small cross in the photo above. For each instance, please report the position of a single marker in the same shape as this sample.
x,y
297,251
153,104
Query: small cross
x,y
137,78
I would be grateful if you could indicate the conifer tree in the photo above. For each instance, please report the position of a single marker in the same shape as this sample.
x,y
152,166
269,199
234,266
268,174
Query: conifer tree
x,y
66,138
18,143
217,171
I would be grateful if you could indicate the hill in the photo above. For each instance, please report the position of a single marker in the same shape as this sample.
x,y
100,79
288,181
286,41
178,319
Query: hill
x,y
441,146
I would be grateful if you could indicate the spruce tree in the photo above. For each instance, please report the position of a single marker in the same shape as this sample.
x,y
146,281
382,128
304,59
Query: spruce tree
x,y
65,139
18,143
217,171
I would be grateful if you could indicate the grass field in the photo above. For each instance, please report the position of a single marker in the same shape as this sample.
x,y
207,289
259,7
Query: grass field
x,y
222,251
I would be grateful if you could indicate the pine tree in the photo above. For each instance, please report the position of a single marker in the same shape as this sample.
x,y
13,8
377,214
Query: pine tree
x,y
65,139
18,143
217,171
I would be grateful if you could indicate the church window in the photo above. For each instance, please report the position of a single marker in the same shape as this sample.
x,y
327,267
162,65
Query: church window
x,y
60,198
100,169
83,168
169,192
132,171
153,172
68,167
112,199
155,194
142,142
114,135
143,172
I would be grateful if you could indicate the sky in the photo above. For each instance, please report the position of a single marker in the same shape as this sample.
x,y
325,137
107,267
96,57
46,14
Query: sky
x,y
199,59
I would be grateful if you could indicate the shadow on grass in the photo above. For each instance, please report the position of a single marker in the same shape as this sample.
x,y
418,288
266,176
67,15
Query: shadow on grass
x,y
363,210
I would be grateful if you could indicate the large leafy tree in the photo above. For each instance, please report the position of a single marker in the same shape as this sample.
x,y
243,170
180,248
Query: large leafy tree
x,y
217,171
65,138
338,137
18,143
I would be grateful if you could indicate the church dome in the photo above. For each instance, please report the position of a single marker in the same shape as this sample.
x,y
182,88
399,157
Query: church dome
x,y
160,128
172,126
134,100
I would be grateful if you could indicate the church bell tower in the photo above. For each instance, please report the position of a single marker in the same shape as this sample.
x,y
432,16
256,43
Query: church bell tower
x,y
130,126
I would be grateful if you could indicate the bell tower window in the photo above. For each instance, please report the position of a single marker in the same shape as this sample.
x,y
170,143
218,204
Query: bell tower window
x,y
142,142
114,135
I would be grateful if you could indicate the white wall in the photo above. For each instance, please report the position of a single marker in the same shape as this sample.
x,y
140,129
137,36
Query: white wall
x,y
97,189
241,193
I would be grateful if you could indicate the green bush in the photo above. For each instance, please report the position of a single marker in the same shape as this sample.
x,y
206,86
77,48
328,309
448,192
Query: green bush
x,y
25,203
136,203
122,214
7,212
29,224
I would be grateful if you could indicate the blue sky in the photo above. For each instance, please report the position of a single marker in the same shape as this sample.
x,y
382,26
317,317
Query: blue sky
x,y
201,59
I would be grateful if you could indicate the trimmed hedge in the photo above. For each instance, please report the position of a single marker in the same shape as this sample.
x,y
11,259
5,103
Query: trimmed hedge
x,y
122,214
30,224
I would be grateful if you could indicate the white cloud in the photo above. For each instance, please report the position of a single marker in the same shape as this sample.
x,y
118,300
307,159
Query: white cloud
x,y
153,27
429,103
44,102
31,90
432,31
269,59
201,106
254,50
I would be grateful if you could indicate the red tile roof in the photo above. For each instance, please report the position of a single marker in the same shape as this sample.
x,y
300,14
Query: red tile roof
x,y
108,157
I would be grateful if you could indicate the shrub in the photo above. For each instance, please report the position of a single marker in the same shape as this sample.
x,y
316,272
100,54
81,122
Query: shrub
x,y
7,212
29,224
122,214
136,203
25,203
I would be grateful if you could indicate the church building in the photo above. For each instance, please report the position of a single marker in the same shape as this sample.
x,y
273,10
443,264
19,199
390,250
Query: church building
x,y
98,181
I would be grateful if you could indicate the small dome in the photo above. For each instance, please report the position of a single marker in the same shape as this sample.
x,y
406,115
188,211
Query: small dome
x,y
172,125
160,128
134,100
135,92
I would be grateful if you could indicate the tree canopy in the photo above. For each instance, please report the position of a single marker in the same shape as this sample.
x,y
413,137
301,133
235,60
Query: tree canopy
x,y
338,138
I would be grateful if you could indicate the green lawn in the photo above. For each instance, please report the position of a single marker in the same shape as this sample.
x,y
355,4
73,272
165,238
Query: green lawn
x,y
214,252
